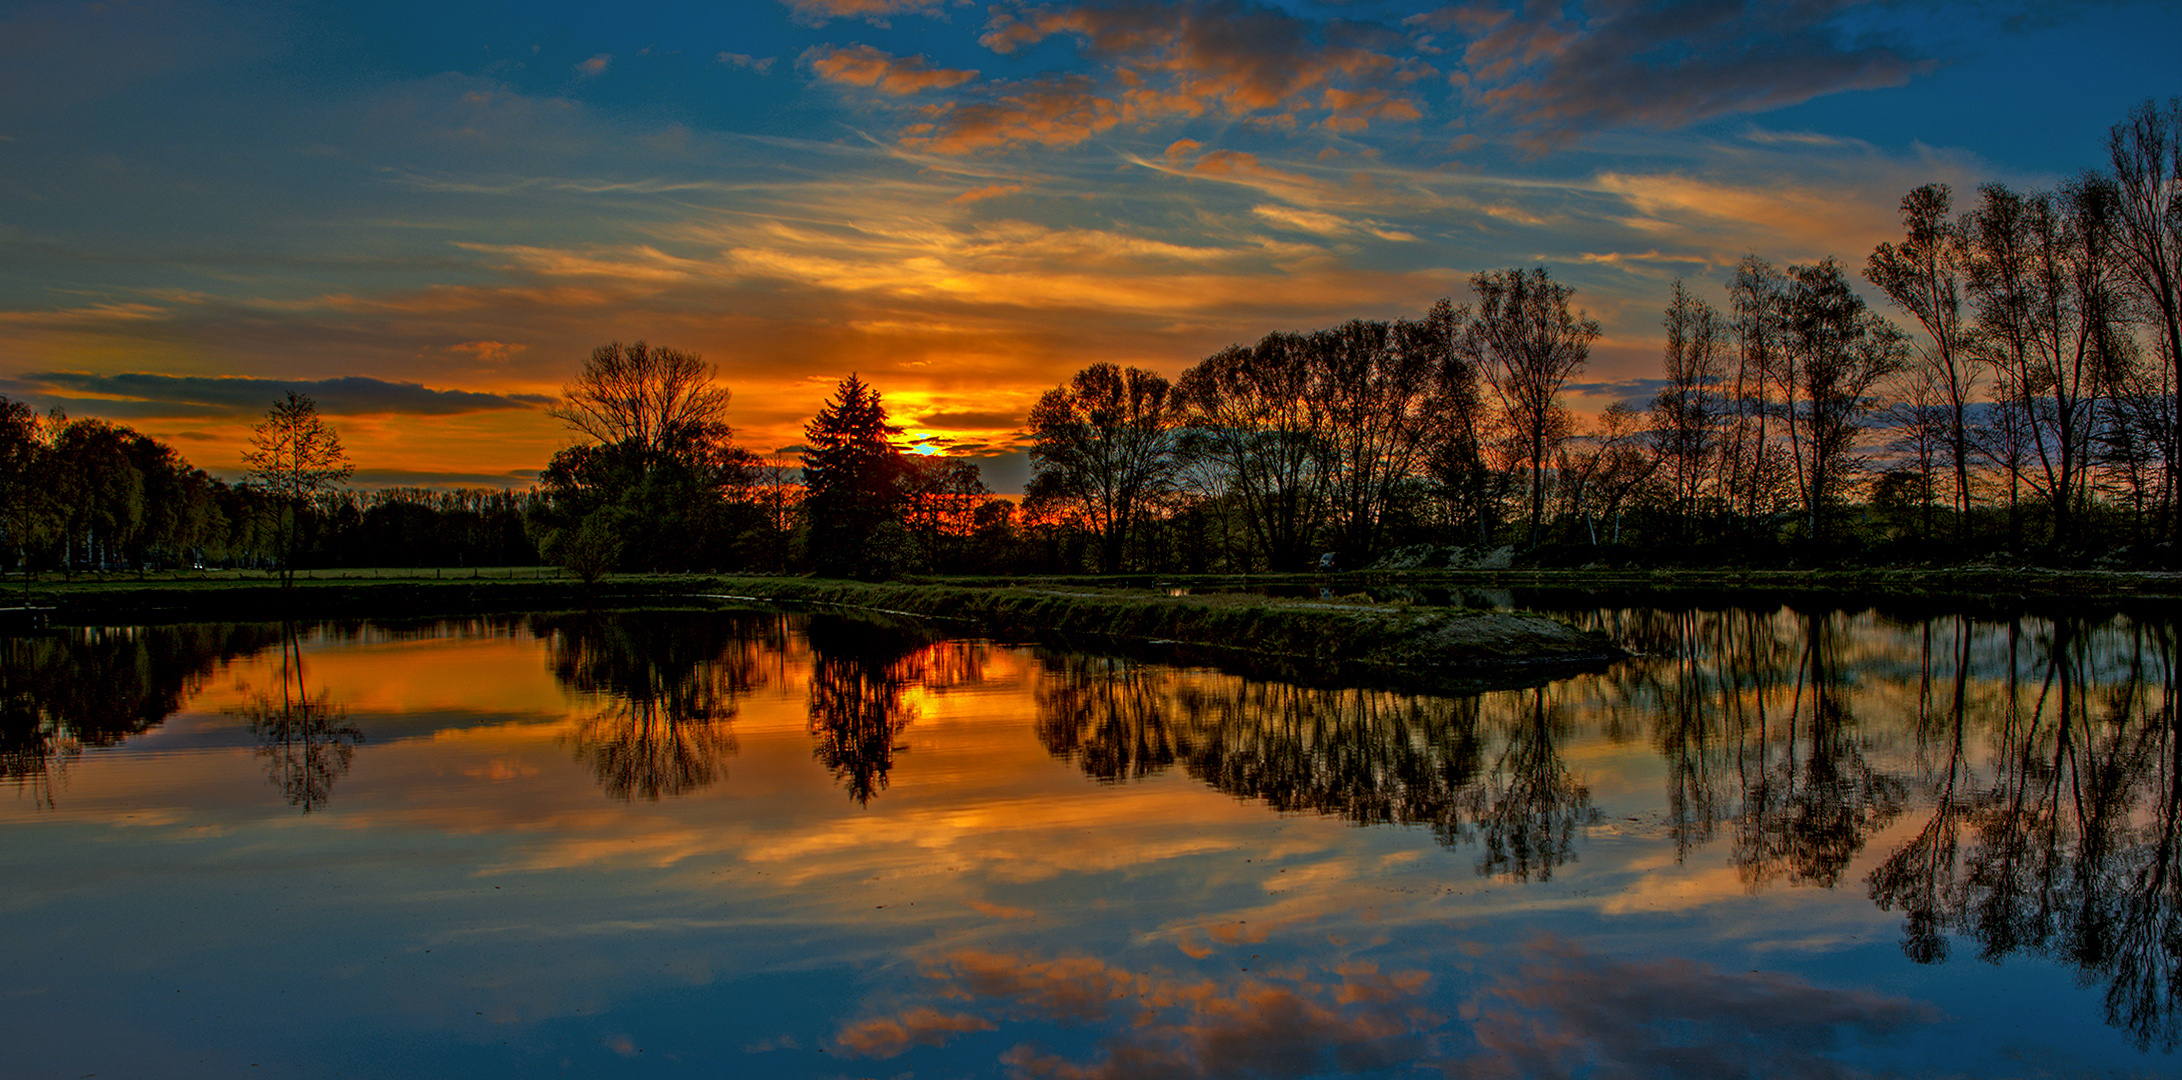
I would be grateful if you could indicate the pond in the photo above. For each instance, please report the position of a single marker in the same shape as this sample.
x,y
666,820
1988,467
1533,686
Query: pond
x,y
1780,841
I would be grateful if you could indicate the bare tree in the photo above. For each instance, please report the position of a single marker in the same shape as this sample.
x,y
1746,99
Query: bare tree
x,y
1924,275
1836,352
1380,381
2048,312
2146,151
294,456
659,400
1603,472
1923,424
1687,412
1528,345
1753,472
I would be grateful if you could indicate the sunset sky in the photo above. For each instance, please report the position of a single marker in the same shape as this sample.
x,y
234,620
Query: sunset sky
x,y
426,215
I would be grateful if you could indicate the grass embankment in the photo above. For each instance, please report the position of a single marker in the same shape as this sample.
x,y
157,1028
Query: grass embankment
x,y
1978,584
1304,640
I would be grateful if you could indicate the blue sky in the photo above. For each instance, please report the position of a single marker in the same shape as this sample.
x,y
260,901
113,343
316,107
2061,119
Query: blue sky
x,y
429,214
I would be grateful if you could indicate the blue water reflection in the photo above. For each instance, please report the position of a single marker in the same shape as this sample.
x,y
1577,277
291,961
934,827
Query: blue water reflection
x,y
1777,842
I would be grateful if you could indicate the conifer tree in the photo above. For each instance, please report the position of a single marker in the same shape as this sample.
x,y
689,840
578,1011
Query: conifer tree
x,y
852,486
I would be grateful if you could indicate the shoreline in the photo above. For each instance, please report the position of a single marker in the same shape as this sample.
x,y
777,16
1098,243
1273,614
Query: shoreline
x,y
1409,630
171,595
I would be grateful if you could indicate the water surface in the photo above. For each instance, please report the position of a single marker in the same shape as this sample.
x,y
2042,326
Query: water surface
x,y
1780,842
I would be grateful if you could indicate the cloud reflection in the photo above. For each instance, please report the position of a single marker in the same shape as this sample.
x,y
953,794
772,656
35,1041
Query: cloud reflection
x,y
1554,1010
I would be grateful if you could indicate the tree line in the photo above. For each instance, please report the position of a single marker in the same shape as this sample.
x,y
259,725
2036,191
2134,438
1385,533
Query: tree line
x,y
2028,412
82,494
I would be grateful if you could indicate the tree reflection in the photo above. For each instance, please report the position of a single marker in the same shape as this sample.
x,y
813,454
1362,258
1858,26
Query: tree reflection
x,y
1531,805
66,691
305,740
1106,714
859,673
1369,756
1810,796
2064,839
669,684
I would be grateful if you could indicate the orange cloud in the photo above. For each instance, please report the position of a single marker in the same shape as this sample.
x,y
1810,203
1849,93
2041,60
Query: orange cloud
x,y
862,65
1245,60
889,1036
989,191
488,352
1059,110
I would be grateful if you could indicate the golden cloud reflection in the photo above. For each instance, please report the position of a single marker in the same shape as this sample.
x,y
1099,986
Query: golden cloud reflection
x,y
1550,1008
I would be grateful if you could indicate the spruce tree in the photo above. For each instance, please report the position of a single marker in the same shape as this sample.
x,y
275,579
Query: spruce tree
x,y
852,486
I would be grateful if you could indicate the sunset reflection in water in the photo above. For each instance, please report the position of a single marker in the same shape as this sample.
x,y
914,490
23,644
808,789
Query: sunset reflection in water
x,y
1777,842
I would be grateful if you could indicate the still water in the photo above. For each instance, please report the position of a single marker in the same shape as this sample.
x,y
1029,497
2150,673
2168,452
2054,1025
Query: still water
x,y
1779,842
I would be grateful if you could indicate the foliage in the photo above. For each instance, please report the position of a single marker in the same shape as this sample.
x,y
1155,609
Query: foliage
x,y
1102,448
659,485
1527,344
853,479
294,456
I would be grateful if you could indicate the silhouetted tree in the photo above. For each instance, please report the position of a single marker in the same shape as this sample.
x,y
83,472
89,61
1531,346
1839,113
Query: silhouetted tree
x,y
852,477
26,487
1382,386
2048,308
1252,417
1925,275
940,497
662,401
2146,154
1688,412
1527,343
294,456
660,485
1753,466
1834,353
1102,449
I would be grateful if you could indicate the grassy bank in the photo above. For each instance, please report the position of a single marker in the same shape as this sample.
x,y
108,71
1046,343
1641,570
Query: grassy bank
x,y
1964,583
1305,640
